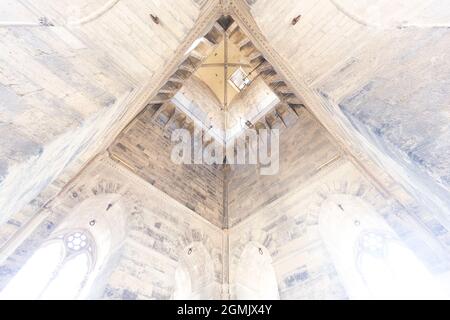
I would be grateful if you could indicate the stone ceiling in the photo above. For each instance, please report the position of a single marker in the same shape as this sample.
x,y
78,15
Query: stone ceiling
x,y
74,74
202,96
212,70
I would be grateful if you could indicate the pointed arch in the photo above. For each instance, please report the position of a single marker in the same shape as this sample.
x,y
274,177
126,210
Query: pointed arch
x,y
194,273
255,276
370,259
73,258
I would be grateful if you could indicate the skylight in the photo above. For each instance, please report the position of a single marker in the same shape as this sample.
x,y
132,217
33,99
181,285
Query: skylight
x,y
239,79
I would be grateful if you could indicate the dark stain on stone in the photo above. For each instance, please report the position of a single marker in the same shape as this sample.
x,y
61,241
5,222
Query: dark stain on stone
x,y
14,222
110,101
121,146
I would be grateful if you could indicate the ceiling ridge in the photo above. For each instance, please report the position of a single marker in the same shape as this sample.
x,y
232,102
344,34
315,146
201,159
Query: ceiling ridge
x,y
182,73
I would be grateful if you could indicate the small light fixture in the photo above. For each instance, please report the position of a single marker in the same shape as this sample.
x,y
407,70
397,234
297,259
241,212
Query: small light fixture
x,y
189,251
260,251
74,194
296,19
92,222
154,18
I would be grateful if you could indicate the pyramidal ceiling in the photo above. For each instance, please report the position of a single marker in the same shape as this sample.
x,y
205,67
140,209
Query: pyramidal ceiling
x,y
224,86
227,78
185,93
223,77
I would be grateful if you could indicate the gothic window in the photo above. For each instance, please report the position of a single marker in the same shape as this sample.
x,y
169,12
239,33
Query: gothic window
x,y
371,261
58,270
76,256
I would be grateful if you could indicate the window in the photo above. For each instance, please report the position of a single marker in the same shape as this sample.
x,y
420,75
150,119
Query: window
x,y
76,257
371,261
239,79
391,271
58,270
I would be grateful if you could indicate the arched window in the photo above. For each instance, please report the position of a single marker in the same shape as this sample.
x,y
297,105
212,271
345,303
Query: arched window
x,y
255,275
58,270
371,261
194,275
67,265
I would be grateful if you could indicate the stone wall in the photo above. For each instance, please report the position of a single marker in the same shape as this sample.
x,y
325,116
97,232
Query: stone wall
x,y
304,148
146,147
77,90
398,99
69,74
159,233
378,75
201,104
289,230
163,235
250,104
281,215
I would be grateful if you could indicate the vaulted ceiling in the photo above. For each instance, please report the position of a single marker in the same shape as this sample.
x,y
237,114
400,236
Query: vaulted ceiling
x,y
377,74
73,75
207,93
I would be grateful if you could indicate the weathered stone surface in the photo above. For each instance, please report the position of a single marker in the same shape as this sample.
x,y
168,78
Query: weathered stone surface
x,y
146,146
380,69
159,231
304,147
57,79
289,228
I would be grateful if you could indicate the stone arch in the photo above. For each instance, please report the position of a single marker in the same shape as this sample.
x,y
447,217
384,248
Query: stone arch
x,y
251,235
199,237
92,231
255,277
80,192
371,260
130,202
358,189
407,226
194,274
104,216
248,236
